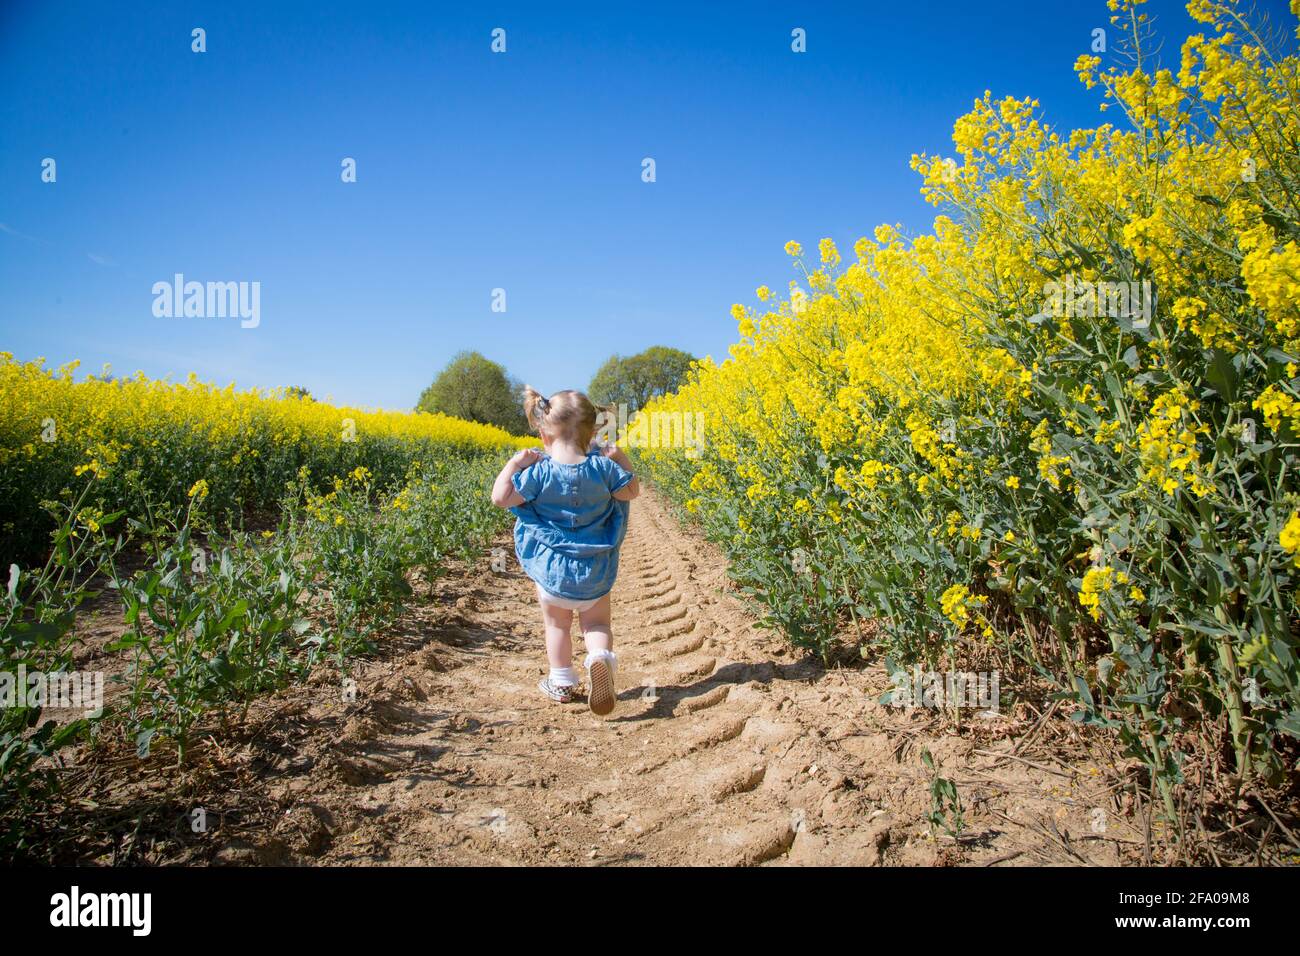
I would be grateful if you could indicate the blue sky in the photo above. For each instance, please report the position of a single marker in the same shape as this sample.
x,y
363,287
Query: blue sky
x,y
475,170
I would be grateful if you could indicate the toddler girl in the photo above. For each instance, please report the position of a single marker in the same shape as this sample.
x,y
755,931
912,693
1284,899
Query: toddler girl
x,y
571,503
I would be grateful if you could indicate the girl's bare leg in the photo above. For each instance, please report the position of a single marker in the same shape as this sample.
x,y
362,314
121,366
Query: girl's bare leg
x,y
601,697
558,623
595,626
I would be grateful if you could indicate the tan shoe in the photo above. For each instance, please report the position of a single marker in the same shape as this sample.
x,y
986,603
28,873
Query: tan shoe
x,y
601,698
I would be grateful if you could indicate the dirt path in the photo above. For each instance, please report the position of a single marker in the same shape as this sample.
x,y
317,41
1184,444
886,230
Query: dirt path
x,y
726,748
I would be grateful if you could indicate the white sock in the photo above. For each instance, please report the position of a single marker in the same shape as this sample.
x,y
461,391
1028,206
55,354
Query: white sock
x,y
564,677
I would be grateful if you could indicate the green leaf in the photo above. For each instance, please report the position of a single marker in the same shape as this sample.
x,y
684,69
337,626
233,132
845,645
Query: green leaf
x,y
142,741
1222,375
1085,694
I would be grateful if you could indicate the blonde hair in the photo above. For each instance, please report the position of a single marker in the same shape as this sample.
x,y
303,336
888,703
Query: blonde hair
x,y
567,414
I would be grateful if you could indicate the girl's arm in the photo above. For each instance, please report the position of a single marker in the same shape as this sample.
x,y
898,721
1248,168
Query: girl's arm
x,y
633,488
503,489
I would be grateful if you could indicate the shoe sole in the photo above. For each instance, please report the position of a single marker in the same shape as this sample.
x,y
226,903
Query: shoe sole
x,y
601,698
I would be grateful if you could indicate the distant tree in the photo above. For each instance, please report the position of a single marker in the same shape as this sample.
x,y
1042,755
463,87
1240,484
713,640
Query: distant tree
x,y
478,390
297,391
635,379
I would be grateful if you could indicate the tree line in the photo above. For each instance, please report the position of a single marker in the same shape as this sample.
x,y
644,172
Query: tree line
x,y
475,388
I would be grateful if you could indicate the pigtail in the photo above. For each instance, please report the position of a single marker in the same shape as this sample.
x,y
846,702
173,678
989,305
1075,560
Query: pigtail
x,y
536,405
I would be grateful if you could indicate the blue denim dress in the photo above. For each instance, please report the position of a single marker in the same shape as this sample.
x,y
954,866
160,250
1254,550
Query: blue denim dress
x,y
570,526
